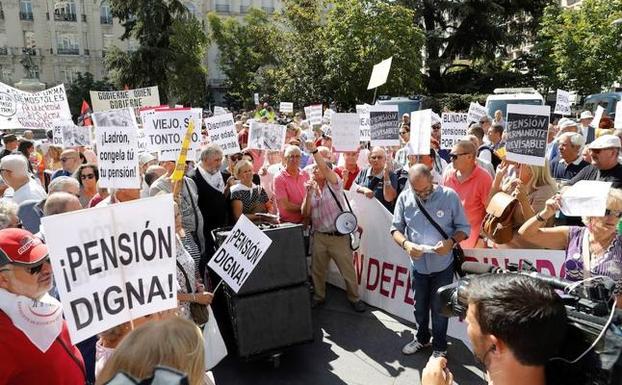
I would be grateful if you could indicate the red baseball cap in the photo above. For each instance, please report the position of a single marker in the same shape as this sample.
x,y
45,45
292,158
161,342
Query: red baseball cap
x,y
20,247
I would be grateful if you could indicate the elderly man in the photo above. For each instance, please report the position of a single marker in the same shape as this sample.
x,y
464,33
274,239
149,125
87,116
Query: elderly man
x,y
10,145
587,129
495,136
14,171
31,211
61,202
378,180
289,186
430,253
70,161
604,152
322,201
569,162
35,347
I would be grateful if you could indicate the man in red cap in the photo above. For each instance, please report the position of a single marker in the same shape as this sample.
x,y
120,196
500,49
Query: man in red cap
x,y
34,343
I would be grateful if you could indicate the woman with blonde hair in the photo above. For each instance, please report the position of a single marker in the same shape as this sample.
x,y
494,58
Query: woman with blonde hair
x,y
175,343
247,198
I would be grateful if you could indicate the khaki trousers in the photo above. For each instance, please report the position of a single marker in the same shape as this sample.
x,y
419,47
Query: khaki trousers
x,y
337,248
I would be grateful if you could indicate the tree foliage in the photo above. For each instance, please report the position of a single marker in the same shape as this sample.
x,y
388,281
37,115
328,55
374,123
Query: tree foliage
x,y
79,90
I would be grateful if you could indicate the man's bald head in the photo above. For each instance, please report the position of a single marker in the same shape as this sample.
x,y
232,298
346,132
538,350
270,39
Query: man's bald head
x,y
61,202
418,171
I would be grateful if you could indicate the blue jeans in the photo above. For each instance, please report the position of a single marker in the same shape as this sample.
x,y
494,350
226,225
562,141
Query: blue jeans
x,y
426,300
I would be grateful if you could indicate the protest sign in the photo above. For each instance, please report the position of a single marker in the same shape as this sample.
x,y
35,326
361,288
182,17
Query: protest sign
x,y
363,111
618,118
476,112
66,134
221,130
219,111
454,127
117,148
38,110
527,128
345,131
562,104
420,131
314,114
380,73
266,136
585,198
256,98
116,264
114,100
165,130
286,107
240,253
384,125
141,141
598,115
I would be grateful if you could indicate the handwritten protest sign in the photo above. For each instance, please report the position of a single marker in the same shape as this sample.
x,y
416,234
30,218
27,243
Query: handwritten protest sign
x,y
221,130
420,131
585,198
562,104
383,125
598,115
527,129
345,131
114,100
141,141
66,134
117,148
240,253
380,73
256,98
116,264
165,130
286,107
266,136
363,111
454,127
618,118
38,110
476,112
314,114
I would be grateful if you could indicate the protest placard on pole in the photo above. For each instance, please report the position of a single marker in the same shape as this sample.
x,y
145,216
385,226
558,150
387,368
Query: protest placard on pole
x,y
116,264
384,125
221,130
345,131
527,128
476,112
165,130
562,103
219,111
266,136
454,127
420,131
117,148
363,111
286,107
380,73
598,115
37,110
314,114
618,118
114,100
256,98
240,253
66,134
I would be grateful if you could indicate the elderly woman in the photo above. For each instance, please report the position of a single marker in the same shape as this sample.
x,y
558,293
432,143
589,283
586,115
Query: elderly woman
x,y
593,250
87,175
247,198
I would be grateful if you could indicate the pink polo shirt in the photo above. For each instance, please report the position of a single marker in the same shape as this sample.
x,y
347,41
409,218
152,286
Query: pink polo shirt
x,y
473,193
292,188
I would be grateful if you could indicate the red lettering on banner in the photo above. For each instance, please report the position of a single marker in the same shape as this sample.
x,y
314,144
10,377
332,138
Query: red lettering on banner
x,y
548,265
357,260
385,278
375,263
408,298
398,282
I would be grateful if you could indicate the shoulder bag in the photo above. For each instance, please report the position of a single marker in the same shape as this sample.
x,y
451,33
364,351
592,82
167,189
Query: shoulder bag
x,y
498,224
198,311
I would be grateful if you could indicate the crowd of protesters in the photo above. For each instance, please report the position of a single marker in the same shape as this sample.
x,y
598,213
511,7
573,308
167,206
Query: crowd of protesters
x,y
302,184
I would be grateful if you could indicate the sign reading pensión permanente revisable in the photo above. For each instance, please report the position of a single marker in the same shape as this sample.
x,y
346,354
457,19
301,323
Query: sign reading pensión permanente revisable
x,y
527,129
383,125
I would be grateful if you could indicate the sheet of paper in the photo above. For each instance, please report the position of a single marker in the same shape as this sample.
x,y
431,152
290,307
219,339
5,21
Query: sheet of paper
x,y
585,198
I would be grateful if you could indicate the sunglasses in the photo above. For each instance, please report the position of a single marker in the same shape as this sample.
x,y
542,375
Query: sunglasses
x,y
456,156
235,158
87,176
613,213
33,270
403,132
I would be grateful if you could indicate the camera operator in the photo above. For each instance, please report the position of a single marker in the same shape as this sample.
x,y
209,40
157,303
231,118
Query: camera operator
x,y
516,324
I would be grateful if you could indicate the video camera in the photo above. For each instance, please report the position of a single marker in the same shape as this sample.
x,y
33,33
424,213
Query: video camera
x,y
592,350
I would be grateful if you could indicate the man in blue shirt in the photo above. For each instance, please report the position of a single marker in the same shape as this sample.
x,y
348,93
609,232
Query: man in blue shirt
x,y
431,255
378,180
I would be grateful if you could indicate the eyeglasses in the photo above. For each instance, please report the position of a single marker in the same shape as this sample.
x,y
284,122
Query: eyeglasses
x,y
436,128
87,176
613,213
456,156
33,270
403,132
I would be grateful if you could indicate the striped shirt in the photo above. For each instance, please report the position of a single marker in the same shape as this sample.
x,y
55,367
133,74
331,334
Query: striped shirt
x,y
324,208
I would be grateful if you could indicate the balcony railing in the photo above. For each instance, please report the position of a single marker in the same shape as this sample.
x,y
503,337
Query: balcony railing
x,y
222,8
103,19
4,51
65,17
68,51
26,16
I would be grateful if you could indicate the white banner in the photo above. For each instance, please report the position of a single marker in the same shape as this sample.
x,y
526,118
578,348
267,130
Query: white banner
x,y
380,73
240,253
598,115
219,111
384,125
421,131
116,264
286,107
165,130
345,131
476,112
266,136
314,114
454,127
618,118
527,129
66,134
221,130
562,103
363,111
115,100
117,148
38,110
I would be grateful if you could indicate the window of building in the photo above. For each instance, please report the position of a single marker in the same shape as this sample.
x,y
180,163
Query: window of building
x,y
105,14
25,10
29,39
3,45
1,12
108,41
67,44
6,74
65,10
69,74
245,5
267,5
222,6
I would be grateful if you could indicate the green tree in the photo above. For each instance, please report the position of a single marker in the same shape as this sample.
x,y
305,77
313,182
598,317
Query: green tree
x,y
79,91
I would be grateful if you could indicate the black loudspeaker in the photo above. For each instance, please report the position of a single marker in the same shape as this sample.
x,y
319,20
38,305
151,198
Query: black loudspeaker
x,y
284,264
267,322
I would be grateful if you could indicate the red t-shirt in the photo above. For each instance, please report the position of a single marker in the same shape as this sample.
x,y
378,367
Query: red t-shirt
x,y
23,363
351,176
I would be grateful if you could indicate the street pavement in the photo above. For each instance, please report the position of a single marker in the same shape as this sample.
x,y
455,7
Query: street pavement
x,y
349,348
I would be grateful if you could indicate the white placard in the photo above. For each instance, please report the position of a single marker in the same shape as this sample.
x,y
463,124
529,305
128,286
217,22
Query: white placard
x,y
380,73
115,100
527,129
598,115
345,131
38,110
116,264
384,125
585,199
562,103
363,111
286,107
266,136
476,112
618,121
66,134
240,253
221,130
256,98
141,141
314,114
421,131
454,127
219,111
165,130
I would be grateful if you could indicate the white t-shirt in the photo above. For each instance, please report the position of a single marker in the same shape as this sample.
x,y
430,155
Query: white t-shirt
x,y
31,190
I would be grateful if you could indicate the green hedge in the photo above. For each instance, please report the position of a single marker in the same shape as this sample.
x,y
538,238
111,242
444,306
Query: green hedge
x,y
452,102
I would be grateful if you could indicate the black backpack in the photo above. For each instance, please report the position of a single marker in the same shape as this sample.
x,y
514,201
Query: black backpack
x,y
494,158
